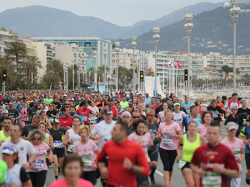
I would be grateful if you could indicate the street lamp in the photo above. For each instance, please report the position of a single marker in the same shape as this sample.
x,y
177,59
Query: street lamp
x,y
133,45
117,45
234,16
188,26
95,77
65,68
85,63
105,64
156,37
73,73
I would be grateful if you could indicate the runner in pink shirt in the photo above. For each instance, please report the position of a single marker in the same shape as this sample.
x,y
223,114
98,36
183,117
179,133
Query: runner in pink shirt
x,y
206,118
237,146
72,170
169,132
87,150
38,170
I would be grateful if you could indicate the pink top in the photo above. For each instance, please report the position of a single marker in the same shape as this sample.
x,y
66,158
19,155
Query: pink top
x,y
62,183
24,114
40,161
203,131
86,151
145,139
167,142
235,147
161,115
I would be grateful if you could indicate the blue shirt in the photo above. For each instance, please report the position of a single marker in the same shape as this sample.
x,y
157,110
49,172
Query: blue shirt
x,y
246,132
148,100
19,108
184,105
76,115
187,119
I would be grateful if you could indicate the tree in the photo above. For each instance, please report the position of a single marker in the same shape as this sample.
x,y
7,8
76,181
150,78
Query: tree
x,y
237,72
150,73
16,49
226,69
31,64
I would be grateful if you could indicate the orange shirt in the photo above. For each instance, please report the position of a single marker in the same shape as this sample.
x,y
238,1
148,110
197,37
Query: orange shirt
x,y
220,105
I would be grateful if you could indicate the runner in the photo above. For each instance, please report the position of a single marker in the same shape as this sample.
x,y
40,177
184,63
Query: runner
x,y
244,111
153,150
234,117
189,143
161,113
16,175
85,112
192,116
65,119
145,139
57,134
126,159
237,146
71,137
178,115
13,113
216,111
51,113
87,150
38,173
126,118
25,148
24,115
72,171
206,118
231,103
44,119
30,127
119,110
168,133
214,162
5,133
187,105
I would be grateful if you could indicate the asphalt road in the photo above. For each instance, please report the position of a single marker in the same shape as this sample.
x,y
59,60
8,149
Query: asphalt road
x,y
177,178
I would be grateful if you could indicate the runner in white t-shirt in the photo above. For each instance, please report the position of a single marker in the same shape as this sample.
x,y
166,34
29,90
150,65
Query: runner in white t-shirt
x,y
230,103
178,115
93,118
23,147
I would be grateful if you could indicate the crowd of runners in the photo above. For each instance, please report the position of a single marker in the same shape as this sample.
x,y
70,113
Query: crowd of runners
x,y
118,138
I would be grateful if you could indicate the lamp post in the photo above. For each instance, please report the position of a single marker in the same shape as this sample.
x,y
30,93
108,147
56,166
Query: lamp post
x,y
73,73
156,37
117,45
133,45
85,61
105,64
95,77
234,16
188,26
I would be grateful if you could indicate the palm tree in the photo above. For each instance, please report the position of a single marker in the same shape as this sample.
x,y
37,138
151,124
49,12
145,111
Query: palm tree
x,y
55,66
16,49
31,65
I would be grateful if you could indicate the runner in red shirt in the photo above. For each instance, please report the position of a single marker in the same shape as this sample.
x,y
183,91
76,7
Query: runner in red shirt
x,y
126,159
214,162
65,119
84,112
112,107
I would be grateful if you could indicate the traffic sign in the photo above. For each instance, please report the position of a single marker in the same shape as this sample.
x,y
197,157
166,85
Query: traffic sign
x,y
94,84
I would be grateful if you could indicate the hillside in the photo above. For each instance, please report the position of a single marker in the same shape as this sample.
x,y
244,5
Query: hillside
x,y
213,31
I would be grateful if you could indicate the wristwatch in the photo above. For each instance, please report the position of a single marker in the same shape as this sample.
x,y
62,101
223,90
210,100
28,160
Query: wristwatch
x,y
132,168
30,163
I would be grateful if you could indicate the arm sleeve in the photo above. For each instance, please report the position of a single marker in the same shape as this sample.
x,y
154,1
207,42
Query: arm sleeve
x,y
24,176
142,161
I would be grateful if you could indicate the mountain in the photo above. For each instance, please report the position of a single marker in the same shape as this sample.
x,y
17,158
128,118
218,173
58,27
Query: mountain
x,y
212,32
144,26
53,22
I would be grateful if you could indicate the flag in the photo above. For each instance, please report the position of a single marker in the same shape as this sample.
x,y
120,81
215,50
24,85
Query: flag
x,y
175,63
169,64
108,75
178,64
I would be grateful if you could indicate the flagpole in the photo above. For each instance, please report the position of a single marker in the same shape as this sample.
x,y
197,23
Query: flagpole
x,y
163,81
176,82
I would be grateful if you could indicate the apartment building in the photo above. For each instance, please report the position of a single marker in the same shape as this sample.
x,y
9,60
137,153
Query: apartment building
x,y
215,61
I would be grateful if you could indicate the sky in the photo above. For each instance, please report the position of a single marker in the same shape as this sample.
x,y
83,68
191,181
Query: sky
x,y
119,12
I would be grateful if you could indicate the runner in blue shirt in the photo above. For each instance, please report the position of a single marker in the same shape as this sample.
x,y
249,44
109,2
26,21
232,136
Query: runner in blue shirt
x,y
186,105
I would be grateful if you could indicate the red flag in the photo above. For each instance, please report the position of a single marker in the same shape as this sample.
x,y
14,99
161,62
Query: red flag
x,y
179,66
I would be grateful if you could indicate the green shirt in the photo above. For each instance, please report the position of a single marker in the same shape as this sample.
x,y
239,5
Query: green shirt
x,y
48,101
3,170
124,104
3,137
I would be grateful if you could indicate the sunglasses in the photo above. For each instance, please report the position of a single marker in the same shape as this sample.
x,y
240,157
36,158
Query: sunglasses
x,y
36,138
66,104
136,117
9,148
150,115
235,109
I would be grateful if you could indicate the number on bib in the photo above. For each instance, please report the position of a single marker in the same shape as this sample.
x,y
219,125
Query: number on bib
x,y
167,141
39,164
71,146
84,118
58,144
181,164
87,162
211,179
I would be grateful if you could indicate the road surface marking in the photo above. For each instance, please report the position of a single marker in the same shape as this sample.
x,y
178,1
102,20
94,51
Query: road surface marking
x,y
159,173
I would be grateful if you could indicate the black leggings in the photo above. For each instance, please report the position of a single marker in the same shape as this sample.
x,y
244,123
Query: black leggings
x,y
38,178
168,157
153,154
89,176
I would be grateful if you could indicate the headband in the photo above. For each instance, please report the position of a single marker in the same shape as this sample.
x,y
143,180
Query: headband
x,y
126,112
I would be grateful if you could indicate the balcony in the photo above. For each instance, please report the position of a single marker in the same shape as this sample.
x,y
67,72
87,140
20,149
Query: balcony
x,y
32,54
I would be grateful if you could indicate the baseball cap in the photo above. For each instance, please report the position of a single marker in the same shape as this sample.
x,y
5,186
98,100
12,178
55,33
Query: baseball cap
x,y
56,121
231,125
177,104
5,112
65,95
107,111
9,150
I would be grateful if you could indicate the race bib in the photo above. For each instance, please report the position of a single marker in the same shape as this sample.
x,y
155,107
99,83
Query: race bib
x,y
51,119
71,146
39,164
153,132
87,162
92,121
178,121
214,114
237,155
181,164
58,144
211,179
237,125
167,141
188,111
244,122
84,118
